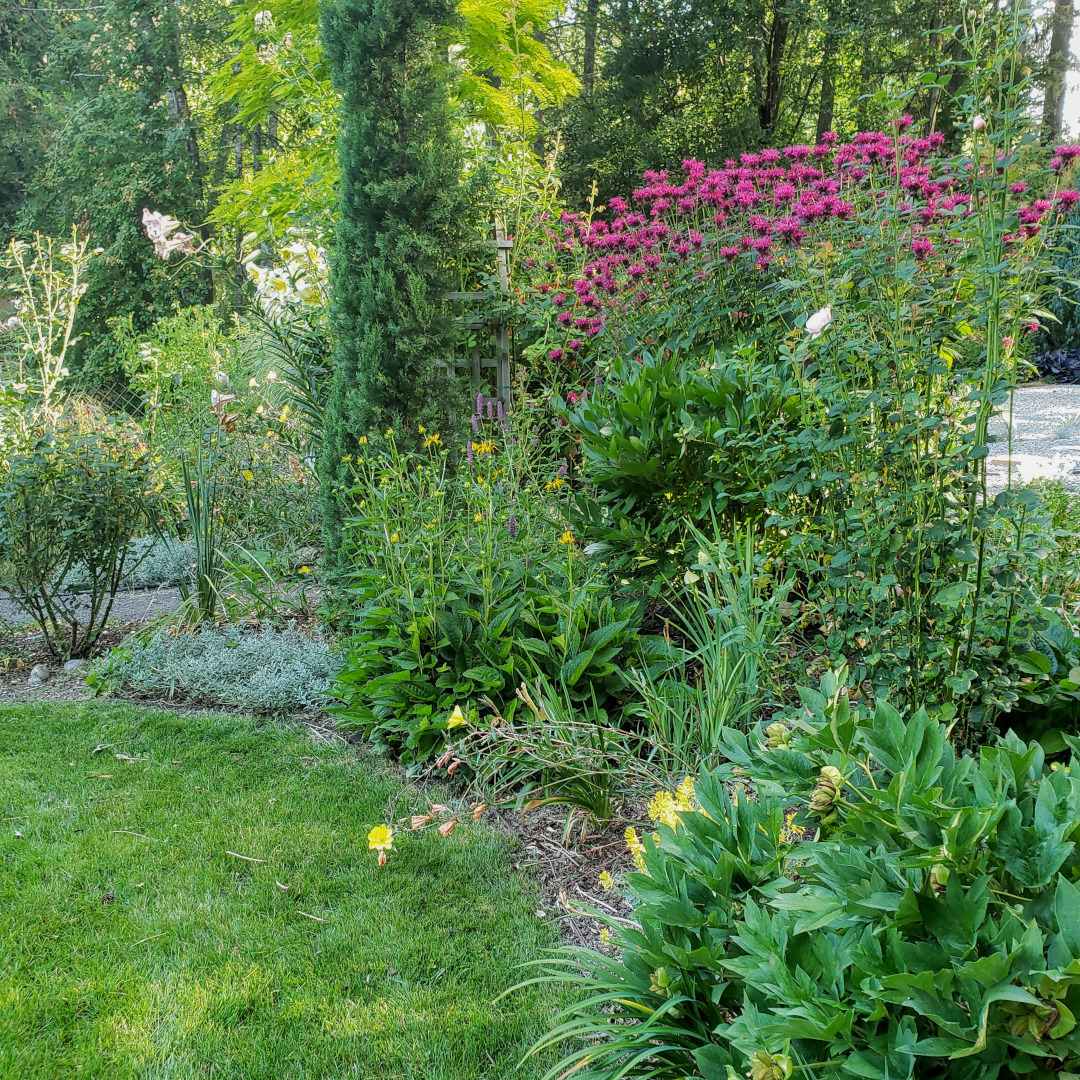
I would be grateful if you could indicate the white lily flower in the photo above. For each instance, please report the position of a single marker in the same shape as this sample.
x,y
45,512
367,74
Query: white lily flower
x,y
818,321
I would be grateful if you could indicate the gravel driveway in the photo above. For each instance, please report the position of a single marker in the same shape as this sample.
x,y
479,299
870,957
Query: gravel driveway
x,y
1045,437
130,606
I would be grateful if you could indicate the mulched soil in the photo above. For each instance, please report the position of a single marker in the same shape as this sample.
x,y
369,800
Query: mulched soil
x,y
570,876
21,649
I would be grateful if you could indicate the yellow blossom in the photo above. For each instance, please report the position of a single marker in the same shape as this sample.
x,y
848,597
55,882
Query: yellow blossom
x,y
554,485
605,935
362,441
668,496
636,847
478,517
394,538
666,807
485,446
567,537
249,475
389,432
421,428
457,717
304,570
347,458
432,440
606,880
381,838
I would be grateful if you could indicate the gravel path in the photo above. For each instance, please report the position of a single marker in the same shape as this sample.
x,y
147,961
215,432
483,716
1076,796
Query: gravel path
x,y
1045,437
130,606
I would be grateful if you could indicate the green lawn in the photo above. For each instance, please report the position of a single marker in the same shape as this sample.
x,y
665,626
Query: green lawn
x,y
200,965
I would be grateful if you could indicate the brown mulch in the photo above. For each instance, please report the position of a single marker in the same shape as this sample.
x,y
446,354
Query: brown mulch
x,y
570,875
21,649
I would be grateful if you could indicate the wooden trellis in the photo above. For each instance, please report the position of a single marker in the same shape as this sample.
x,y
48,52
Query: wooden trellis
x,y
489,374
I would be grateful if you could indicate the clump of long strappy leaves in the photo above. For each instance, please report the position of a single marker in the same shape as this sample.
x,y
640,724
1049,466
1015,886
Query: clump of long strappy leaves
x,y
851,898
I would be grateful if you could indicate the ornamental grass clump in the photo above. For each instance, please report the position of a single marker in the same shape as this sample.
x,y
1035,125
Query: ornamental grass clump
x,y
862,901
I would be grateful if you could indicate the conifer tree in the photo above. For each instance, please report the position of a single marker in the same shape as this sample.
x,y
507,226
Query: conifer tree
x,y
403,214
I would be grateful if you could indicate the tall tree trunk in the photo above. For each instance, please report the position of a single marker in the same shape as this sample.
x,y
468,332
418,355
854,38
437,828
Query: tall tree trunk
x,y
827,101
933,97
588,62
1057,68
769,109
945,119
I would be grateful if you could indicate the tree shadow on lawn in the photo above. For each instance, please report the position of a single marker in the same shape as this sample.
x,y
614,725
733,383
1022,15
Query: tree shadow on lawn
x,y
133,944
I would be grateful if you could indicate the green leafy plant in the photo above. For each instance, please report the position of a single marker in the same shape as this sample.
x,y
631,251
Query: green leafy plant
x,y
730,615
73,498
554,752
203,518
466,586
929,929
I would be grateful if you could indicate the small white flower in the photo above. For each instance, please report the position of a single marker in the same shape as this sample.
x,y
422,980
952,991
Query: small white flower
x,y
818,321
221,378
264,20
978,123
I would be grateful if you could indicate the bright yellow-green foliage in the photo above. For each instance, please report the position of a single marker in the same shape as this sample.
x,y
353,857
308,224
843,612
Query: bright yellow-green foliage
x,y
133,944
509,71
507,74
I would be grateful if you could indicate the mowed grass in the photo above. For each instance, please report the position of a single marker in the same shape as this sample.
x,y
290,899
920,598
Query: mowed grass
x,y
132,945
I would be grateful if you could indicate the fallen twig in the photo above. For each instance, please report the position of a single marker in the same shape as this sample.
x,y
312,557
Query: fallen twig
x,y
143,941
314,918
246,858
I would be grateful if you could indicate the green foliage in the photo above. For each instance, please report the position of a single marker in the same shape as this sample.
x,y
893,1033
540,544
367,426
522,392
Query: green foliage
x,y
553,753
404,214
677,436
731,617
74,496
930,928
511,75
463,588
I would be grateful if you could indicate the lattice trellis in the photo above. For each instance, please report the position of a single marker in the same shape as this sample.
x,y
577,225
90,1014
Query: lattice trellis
x,y
489,374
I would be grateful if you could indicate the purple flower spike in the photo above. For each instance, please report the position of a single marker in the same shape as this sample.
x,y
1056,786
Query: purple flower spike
x,y
489,410
563,469
512,527
499,409
469,452
479,404
476,425
598,379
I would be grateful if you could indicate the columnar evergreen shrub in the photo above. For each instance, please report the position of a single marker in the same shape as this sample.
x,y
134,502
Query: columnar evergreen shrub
x,y
404,211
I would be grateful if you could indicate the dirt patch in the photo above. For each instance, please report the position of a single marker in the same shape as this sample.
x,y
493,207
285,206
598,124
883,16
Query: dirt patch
x,y
22,649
